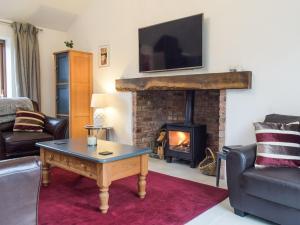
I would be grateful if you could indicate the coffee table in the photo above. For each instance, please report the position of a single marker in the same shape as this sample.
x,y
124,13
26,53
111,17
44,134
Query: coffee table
x,y
76,156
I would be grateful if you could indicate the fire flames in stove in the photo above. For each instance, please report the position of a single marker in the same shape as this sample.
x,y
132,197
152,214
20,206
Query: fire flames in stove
x,y
179,141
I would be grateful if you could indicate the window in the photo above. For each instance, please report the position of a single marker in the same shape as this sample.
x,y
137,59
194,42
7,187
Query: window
x,y
3,86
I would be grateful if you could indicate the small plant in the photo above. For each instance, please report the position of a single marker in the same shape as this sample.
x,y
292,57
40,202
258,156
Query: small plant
x,y
69,44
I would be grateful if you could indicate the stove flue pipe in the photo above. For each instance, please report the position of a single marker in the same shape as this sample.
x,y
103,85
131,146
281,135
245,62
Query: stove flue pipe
x,y
189,107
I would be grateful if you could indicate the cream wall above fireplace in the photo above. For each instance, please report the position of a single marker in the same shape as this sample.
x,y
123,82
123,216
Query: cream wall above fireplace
x,y
259,36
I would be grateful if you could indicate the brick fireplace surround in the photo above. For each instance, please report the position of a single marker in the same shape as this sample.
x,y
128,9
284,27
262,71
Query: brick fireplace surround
x,y
152,109
160,100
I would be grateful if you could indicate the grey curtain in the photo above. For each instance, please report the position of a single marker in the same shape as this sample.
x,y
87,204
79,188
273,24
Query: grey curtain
x,y
27,61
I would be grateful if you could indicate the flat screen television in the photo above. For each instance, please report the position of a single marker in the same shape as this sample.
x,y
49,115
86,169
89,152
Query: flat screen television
x,y
171,45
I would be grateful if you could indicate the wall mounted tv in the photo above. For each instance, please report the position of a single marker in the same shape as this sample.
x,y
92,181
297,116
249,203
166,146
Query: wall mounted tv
x,y
171,45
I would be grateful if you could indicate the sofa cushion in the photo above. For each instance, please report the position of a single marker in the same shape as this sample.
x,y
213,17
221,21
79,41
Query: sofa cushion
x,y
29,121
279,185
23,141
278,118
278,144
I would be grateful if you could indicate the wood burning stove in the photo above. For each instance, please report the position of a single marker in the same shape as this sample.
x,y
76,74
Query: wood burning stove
x,y
186,140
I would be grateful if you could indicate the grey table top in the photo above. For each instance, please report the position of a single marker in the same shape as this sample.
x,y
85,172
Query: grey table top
x,y
79,148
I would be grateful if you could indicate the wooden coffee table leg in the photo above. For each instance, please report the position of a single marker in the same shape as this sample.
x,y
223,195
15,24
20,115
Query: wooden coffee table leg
x,y
142,186
45,174
142,176
45,168
103,182
104,196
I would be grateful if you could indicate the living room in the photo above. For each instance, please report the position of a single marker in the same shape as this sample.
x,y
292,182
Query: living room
x,y
245,71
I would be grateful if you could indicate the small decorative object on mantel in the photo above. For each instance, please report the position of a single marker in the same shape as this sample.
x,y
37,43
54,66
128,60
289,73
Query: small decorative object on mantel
x,y
208,164
103,55
235,68
69,44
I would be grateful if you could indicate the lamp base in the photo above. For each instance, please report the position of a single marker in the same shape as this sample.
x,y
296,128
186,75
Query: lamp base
x,y
99,118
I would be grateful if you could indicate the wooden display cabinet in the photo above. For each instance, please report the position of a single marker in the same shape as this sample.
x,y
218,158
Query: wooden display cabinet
x,y
74,85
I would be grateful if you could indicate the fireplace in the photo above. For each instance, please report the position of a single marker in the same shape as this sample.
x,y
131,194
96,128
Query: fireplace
x,y
158,102
186,140
154,110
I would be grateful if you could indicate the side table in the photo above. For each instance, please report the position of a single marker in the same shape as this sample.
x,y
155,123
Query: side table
x,y
222,155
90,128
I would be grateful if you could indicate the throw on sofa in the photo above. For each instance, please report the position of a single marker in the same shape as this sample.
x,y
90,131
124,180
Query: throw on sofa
x,y
270,193
19,144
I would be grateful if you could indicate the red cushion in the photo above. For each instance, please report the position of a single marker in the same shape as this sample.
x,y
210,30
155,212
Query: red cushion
x,y
29,121
278,145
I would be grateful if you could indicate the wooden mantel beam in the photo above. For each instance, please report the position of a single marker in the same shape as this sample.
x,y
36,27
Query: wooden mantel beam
x,y
208,81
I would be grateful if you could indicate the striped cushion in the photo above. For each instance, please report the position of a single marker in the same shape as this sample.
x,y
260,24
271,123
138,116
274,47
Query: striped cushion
x,y
278,145
29,121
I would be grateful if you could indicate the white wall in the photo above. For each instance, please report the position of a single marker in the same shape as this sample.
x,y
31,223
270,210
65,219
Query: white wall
x,y
49,42
261,36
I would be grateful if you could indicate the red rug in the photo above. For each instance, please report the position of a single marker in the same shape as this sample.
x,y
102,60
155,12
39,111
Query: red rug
x,y
72,199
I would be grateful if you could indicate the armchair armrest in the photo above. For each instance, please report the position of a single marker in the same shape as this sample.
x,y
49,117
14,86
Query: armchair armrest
x,y
241,158
2,147
56,126
4,127
19,187
237,161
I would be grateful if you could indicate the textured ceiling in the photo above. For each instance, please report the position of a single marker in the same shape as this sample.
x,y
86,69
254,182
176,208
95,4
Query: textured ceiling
x,y
52,14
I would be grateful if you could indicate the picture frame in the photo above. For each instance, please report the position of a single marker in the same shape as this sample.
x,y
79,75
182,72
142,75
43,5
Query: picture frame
x,y
103,55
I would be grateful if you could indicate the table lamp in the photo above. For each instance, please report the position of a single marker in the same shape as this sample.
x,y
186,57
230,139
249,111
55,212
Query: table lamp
x,y
99,103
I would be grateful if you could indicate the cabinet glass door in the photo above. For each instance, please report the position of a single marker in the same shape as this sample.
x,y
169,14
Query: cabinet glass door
x,y
62,68
62,101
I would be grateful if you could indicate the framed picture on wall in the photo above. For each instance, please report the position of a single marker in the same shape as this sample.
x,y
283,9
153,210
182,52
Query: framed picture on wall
x,y
103,55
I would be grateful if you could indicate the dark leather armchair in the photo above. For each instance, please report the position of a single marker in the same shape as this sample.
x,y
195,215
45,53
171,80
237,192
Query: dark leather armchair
x,y
19,144
19,187
270,193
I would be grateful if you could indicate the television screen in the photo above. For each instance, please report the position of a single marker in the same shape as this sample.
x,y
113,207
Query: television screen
x,y
171,45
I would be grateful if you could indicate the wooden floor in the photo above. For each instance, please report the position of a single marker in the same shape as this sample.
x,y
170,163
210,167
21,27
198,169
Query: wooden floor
x,y
221,213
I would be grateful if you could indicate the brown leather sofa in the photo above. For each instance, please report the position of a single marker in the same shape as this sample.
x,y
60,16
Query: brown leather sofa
x,y
19,144
19,187
269,193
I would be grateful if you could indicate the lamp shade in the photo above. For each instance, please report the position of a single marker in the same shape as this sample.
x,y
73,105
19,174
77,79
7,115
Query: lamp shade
x,y
99,101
